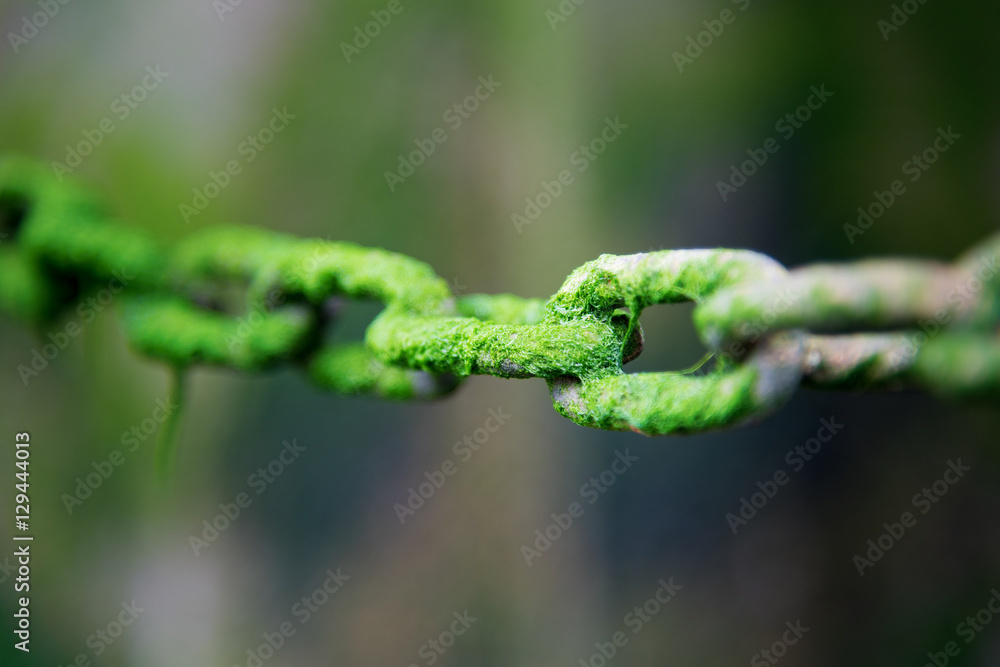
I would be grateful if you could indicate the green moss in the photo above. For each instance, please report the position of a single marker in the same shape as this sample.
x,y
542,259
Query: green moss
x,y
352,369
501,308
960,366
425,340
174,330
680,403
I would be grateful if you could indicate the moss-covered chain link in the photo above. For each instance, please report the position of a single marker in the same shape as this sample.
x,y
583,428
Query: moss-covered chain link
x,y
868,325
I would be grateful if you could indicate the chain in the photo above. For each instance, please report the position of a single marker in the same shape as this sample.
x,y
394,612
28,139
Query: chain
x,y
869,325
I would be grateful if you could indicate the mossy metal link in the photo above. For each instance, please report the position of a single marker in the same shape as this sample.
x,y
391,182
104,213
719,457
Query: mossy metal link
x,y
248,299
659,403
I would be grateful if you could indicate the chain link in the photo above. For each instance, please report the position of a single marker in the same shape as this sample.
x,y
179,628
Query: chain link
x,y
869,325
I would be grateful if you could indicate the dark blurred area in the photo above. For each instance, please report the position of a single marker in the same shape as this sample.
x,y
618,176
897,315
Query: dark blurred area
x,y
697,90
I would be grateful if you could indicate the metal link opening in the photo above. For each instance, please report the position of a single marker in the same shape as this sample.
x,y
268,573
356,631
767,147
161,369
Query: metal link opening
x,y
669,340
14,209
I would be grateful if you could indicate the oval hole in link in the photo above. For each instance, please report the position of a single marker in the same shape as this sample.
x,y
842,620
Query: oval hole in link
x,y
670,341
14,209
345,319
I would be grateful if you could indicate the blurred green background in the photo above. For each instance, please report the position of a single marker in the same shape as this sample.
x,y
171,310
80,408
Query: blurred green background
x,y
229,65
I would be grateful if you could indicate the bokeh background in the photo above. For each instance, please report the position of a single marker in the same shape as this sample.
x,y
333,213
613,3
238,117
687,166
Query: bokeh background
x,y
655,187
